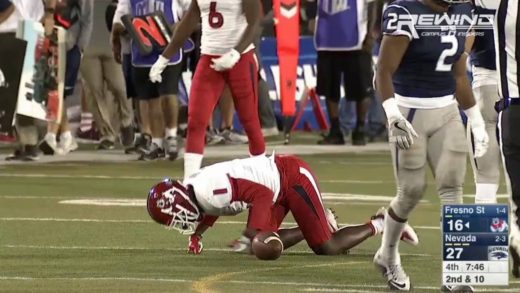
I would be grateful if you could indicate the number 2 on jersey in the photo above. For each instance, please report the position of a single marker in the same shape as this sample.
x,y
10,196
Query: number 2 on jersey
x,y
450,52
215,19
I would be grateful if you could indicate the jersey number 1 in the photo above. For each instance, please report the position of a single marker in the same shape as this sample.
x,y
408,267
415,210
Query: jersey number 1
x,y
215,19
450,52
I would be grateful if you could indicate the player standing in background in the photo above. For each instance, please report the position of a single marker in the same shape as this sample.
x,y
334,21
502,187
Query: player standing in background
x,y
486,169
343,39
228,32
158,104
271,186
421,75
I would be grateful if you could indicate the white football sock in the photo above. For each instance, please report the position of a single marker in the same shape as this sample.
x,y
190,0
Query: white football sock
x,y
192,164
50,136
86,121
170,132
158,141
390,242
378,224
486,193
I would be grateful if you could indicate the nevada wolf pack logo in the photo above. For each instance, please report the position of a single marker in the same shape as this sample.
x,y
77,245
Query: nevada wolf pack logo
x,y
498,225
497,253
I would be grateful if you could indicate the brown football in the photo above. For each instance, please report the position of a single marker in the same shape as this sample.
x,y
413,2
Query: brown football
x,y
267,246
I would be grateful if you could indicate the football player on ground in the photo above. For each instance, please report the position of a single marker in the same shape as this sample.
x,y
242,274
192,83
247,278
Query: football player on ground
x,y
421,76
271,186
228,32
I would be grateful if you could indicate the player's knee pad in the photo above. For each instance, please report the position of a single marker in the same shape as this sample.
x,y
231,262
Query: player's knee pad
x,y
408,196
451,195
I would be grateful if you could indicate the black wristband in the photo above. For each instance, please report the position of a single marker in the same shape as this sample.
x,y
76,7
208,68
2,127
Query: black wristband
x,y
50,10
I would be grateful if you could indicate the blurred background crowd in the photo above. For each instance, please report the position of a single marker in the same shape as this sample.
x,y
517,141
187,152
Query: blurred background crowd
x,y
103,108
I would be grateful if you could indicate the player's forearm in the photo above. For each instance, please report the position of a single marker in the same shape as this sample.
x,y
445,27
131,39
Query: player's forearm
x,y
252,11
463,91
201,228
384,84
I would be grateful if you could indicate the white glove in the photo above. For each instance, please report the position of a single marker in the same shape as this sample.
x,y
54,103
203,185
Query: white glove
x,y
226,61
478,129
157,69
400,131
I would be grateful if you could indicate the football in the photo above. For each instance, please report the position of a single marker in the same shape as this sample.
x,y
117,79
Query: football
x,y
267,246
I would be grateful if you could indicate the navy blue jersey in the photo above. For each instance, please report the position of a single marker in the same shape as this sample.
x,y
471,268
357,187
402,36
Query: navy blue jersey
x,y
436,43
483,51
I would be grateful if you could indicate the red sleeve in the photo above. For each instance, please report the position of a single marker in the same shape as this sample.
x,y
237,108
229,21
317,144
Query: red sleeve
x,y
208,220
260,198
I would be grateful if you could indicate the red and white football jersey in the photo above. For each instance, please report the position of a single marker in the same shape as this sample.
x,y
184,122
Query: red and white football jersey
x,y
213,188
223,24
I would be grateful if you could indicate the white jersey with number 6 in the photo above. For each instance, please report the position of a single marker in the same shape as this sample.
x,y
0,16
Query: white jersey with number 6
x,y
223,24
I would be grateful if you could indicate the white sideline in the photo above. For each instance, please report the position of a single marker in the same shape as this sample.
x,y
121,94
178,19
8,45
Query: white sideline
x,y
22,219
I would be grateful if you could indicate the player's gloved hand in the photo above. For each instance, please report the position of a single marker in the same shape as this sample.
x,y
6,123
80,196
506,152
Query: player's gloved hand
x,y
226,61
157,69
478,129
195,245
400,131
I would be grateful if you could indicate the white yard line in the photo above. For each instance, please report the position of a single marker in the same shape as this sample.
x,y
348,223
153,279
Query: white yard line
x,y
54,247
26,219
92,176
87,176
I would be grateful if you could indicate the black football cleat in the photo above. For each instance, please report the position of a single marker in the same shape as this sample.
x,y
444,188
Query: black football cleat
x,y
332,139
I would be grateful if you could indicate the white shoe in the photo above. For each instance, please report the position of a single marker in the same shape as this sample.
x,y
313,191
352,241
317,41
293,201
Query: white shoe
x,y
232,137
67,145
408,235
332,219
394,273
273,131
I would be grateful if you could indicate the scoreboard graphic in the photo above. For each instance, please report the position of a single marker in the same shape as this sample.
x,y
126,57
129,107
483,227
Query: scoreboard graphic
x,y
475,245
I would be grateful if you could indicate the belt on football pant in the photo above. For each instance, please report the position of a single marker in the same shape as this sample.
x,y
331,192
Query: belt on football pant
x,y
503,104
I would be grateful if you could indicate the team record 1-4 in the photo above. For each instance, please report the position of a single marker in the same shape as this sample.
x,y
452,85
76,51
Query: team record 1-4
x,y
475,245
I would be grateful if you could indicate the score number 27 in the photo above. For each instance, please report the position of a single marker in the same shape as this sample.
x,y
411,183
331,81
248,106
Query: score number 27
x,y
453,252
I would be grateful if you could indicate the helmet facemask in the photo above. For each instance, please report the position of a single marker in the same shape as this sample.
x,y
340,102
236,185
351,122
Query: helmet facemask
x,y
185,218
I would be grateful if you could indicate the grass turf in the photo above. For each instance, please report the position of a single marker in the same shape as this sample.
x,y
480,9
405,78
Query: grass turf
x,y
119,249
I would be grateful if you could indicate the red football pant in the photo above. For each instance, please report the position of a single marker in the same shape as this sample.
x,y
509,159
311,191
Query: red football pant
x,y
300,194
206,90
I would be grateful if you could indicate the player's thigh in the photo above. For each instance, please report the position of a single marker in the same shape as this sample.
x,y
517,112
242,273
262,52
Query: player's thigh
x,y
487,96
447,151
206,88
357,75
145,89
409,165
171,76
242,80
329,75
304,201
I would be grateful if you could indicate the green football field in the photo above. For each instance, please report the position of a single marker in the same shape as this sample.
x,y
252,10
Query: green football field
x,y
83,227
